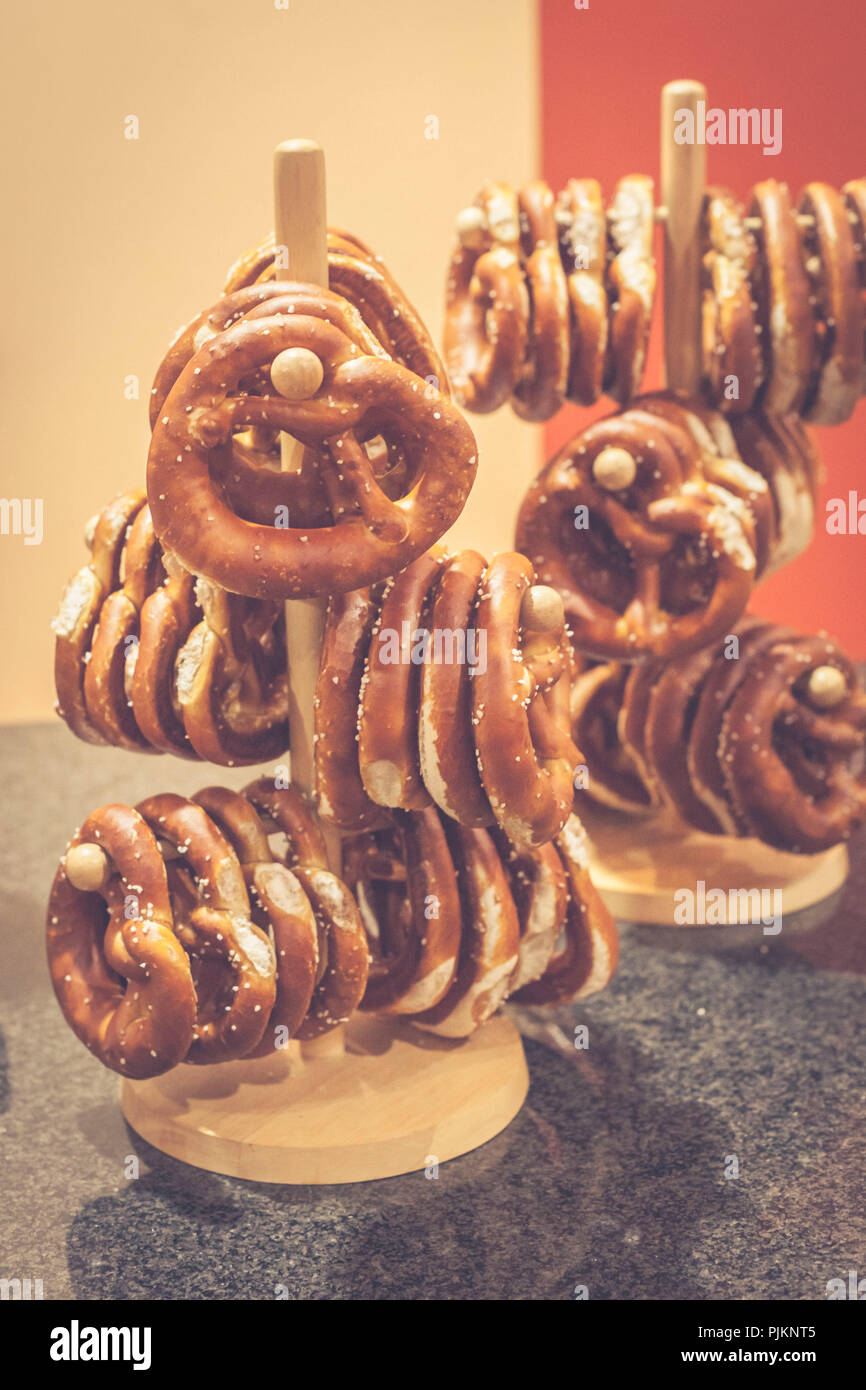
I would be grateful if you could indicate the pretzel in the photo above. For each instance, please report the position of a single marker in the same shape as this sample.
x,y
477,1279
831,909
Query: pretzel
x,y
339,792
540,389
404,883
671,707
782,295
121,977
372,536
231,680
79,609
114,644
583,249
279,906
664,565
538,886
490,942
631,282
792,743
589,956
526,758
840,322
167,618
780,450
388,753
233,959
344,956
486,302
729,330
446,742
854,194
614,778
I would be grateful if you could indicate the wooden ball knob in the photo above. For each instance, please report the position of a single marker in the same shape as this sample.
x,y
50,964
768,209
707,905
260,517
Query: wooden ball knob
x,y
471,226
88,867
541,609
614,469
826,687
297,373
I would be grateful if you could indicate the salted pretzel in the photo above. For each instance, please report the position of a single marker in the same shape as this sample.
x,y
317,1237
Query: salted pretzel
x,y
233,959
670,712
166,619
487,307
840,322
404,882
542,385
730,338
80,606
446,741
121,976
631,283
781,292
854,193
231,681
526,758
589,955
583,249
613,776
346,396
279,907
490,942
340,796
792,743
540,891
114,645
649,557
388,751
343,953
783,453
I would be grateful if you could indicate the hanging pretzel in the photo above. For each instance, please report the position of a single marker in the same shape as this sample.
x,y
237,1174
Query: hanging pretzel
x,y
79,609
613,776
343,952
486,302
388,752
446,740
231,680
670,714
539,888
840,322
583,249
631,280
490,937
781,292
854,193
120,975
167,618
279,906
732,363
404,883
525,755
781,451
338,392
589,955
649,558
540,389
792,744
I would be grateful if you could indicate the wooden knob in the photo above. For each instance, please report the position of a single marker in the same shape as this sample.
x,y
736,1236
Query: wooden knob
x,y
471,226
614,469
826,687
541,609
87,867
297,373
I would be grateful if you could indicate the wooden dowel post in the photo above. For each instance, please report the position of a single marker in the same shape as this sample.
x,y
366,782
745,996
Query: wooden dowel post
x,y
683,180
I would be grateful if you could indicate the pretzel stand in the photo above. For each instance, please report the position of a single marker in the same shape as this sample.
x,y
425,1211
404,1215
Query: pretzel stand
x,y
639,870
376,1097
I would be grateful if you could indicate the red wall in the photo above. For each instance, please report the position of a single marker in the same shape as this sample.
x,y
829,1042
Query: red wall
x,y
602,70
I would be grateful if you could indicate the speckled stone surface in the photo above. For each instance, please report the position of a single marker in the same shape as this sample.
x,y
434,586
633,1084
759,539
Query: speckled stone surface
x,y
612,1177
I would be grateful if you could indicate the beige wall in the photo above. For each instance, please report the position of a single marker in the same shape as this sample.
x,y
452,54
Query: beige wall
x,y
111,243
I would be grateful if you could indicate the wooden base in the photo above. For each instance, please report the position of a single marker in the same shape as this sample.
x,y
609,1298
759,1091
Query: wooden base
x,y
396,1101
639,864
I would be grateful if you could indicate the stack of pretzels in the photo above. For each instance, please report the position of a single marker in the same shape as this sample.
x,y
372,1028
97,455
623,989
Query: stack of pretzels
x,y
178,931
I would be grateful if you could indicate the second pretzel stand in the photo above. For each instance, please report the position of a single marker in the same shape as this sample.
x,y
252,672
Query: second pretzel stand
x,y
639,865
376,1097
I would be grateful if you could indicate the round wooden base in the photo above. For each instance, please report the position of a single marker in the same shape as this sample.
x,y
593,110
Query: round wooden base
x,y
394,1101
646,868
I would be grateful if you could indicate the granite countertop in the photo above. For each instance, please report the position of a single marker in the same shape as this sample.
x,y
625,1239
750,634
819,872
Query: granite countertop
x,y
612,1176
